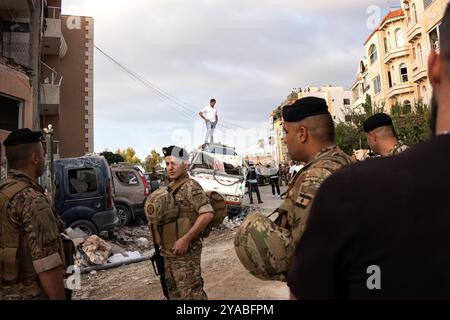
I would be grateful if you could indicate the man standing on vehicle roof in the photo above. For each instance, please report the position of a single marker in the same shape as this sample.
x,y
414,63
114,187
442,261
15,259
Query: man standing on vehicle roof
x,y
177,218
209,114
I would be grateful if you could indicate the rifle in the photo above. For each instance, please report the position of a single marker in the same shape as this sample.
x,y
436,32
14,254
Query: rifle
x,y
158,266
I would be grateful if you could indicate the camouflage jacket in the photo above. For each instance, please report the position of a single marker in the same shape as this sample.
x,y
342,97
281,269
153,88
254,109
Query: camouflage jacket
x,y
31,213
304,187
398,148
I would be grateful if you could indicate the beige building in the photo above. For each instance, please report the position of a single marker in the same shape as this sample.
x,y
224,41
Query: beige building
x,y
393,71
338,101
384,72
46,73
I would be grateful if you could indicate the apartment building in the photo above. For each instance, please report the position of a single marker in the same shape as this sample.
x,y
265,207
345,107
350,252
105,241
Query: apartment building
x,y
393,71
67,81
338,99
46,73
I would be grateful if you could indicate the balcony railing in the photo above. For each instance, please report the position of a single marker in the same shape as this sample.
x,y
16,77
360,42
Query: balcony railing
x,y
50,91
396,53
401,88
413,32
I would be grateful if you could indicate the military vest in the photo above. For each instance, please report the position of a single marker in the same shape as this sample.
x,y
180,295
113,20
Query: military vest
x,y
17,273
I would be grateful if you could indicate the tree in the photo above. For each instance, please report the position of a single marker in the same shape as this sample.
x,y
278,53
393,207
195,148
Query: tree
x,y
112,157
153,160
129,155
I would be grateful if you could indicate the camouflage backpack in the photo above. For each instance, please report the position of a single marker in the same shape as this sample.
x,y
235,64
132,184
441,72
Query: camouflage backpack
x,y
220,212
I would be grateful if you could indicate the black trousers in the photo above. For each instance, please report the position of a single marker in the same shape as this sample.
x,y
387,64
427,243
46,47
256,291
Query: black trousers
x,y
274,184
253,187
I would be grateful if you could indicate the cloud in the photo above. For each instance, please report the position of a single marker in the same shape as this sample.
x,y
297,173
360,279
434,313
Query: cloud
x,y
247,54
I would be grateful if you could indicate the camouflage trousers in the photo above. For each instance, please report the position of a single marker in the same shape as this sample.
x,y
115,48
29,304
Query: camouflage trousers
x,y
184,276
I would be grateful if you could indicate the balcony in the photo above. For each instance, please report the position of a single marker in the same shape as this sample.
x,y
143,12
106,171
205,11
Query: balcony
x,y
53,40
396,53
419,73
413,32
50,92
399,89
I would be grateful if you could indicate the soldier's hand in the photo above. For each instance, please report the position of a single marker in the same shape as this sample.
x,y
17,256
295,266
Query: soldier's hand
x,y
181,246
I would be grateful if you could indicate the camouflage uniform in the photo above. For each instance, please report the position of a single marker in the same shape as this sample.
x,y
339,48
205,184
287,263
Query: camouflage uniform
x,y
398,148
295,209
30,241
183,272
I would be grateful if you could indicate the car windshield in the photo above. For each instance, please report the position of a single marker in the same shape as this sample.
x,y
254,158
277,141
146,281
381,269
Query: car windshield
x,y
202,160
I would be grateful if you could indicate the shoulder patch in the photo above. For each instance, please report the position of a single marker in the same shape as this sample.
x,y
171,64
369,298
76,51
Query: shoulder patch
x,y
303,200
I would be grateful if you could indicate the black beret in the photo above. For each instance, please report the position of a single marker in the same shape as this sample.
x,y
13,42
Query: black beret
x,y
176,152
376,121
22,136
304,108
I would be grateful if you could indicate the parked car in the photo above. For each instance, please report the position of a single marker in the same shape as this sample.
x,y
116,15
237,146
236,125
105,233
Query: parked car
x,y
84,194
131,190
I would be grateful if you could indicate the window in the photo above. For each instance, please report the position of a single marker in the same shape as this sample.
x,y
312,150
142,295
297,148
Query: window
x,y
82,181
414,14
425,94
128,178
347,102
390,79
406,107
403,72
10,114
373,54
399,40
420,55
366,85
434,39
377,85
386,48
414,54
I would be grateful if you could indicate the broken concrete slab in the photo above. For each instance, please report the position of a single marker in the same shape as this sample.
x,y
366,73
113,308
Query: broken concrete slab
x,y
97,250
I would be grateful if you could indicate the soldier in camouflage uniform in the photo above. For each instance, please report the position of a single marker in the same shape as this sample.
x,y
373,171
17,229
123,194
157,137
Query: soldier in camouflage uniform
x,y
309,137
177,218
381,136
31,248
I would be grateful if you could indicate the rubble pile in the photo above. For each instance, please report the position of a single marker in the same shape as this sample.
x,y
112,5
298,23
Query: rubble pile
x,y
95,251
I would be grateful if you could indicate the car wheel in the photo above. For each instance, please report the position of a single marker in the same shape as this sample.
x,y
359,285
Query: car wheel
x,y
124,215
84,225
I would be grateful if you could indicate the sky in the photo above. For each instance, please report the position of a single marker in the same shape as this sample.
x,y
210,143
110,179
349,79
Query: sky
x,y
247,54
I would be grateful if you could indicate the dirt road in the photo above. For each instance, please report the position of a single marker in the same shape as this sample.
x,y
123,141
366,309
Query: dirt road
x,y
224,276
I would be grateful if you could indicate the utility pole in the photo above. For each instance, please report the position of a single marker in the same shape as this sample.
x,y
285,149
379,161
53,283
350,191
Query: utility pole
x,y
50,173
36,8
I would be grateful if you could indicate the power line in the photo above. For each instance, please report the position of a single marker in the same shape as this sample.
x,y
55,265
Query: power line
x,y
182,106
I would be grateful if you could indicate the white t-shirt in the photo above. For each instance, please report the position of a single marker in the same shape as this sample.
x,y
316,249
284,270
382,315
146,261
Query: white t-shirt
x,y
209,113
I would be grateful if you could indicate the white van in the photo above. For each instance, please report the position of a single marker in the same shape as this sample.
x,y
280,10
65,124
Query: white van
x,y
219,168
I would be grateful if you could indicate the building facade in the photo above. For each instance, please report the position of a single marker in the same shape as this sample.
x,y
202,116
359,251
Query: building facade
x,y
67,82
338,100
46,73
394,70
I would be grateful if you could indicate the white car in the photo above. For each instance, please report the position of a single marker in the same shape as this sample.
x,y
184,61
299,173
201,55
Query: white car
x,y
222,172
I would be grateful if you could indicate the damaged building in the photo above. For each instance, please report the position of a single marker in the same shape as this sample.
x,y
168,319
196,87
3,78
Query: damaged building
x,y
46,74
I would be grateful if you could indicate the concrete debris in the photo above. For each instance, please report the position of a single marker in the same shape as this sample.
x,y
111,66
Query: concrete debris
x,y
142,242
77,236
96,250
